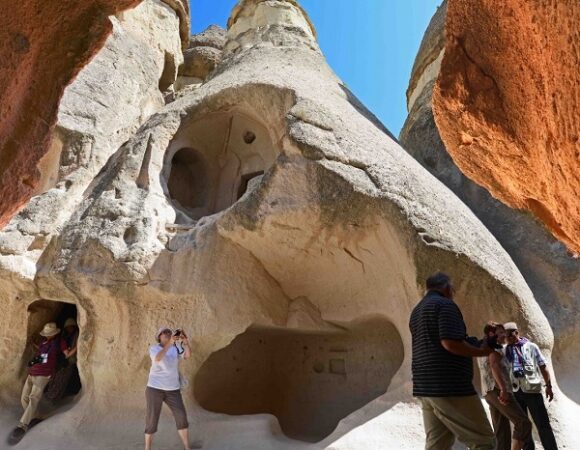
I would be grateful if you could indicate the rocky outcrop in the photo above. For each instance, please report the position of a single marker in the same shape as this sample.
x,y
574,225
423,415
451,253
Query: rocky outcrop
x,y
552,274
501,58
110,98
202,56
50,42
269,214
37,44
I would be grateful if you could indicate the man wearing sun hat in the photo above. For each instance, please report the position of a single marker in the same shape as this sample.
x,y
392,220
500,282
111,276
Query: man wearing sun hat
x,y
528,368
40,369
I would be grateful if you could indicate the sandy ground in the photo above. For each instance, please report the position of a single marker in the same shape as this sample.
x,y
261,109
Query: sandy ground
x,y
220,432
400,428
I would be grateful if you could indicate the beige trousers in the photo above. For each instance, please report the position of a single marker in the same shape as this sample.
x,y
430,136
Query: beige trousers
x,y
447,418
31,395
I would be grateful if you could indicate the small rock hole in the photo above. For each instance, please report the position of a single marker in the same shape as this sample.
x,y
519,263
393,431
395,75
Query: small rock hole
x,y
249,137
130,235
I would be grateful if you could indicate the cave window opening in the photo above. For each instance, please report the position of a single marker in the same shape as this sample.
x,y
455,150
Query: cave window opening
x,y
245,180
299,376
187,182
213,160
65,384
169,73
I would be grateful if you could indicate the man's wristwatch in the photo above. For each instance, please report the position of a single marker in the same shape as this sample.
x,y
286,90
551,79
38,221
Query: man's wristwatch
x,y
549,385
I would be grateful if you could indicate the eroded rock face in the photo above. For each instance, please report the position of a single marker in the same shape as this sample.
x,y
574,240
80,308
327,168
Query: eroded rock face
x,y
506,105
266,201
49,42
204,53
101,109
552,274
40,41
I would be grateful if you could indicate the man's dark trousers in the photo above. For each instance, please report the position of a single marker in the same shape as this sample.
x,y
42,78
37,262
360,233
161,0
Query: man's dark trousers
x,y
534,403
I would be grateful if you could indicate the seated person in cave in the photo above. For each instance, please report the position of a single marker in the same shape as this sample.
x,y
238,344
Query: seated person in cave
x,y
66,380
40,369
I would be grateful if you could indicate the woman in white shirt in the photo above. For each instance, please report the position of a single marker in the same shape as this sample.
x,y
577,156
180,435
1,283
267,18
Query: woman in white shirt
x,y
164,384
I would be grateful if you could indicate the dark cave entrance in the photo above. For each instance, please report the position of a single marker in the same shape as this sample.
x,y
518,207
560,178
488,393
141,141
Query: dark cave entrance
x,y
309,380
66,381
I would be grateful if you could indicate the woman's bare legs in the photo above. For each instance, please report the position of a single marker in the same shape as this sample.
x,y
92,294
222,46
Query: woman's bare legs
x,y
184,435
148,441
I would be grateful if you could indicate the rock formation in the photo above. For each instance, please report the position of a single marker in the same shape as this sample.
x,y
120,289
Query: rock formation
x,y
552,274
500,59
48,42
267,212
202,56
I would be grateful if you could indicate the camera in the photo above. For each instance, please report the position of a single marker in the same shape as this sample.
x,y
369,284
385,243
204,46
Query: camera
x,y
36,360
492,342
519,373
473,341
178,332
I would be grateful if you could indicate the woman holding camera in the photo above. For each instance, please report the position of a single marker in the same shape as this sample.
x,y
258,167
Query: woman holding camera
x,y
164,383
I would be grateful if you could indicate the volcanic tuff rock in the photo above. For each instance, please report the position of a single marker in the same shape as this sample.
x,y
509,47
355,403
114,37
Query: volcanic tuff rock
x,y
203,54
51,42
506,104
269,214
34,32
552,274
110,98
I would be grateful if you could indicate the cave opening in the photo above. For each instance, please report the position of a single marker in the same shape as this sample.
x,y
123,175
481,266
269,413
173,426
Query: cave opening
x,y
309,380
66,382
187,182
169,73
245,181
214,160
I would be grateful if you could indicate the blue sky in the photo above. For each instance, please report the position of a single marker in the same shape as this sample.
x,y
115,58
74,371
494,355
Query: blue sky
x,y
370,44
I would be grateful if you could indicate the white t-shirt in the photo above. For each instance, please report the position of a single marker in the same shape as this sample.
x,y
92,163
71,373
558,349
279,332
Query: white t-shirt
x,y
487,380
164,374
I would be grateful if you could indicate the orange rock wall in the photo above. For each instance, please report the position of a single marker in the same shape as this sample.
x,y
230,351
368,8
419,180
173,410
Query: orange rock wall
x,y
43,45
507,104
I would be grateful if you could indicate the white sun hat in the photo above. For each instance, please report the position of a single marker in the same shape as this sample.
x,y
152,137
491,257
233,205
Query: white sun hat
x,y
510,326
50,329
161,330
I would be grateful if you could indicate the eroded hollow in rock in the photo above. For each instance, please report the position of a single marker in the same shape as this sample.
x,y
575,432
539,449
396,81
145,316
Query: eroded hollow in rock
x,y
48,166
169,73
41,312
309,380
188,179
212,161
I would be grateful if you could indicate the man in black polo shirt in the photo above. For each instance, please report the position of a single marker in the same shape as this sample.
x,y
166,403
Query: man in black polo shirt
x,y
443,371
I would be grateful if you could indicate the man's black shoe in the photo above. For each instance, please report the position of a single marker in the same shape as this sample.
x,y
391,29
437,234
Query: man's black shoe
x,y
16,435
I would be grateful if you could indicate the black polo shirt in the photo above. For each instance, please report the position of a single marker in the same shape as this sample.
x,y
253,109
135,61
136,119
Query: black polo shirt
x,y
436,372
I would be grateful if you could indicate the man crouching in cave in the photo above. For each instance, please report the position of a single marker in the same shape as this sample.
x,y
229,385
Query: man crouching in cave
x,y
165,383
443,371
40,369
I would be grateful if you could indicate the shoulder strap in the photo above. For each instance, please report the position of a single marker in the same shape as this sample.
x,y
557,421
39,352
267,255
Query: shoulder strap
x,y
177,348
